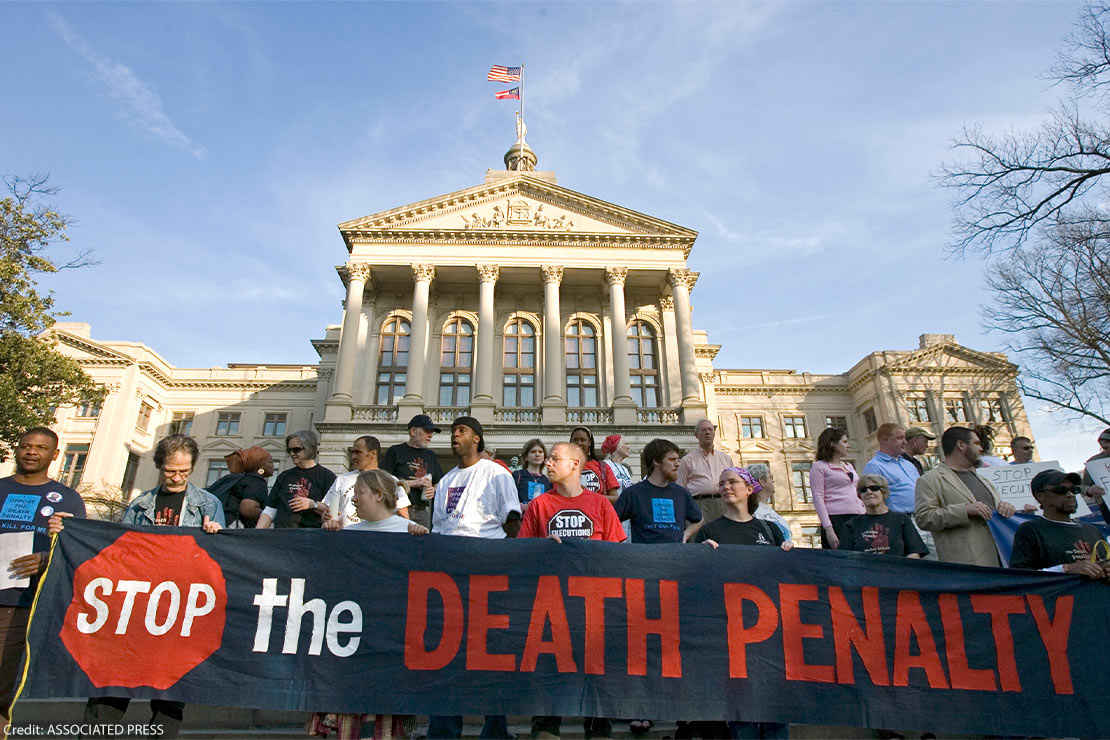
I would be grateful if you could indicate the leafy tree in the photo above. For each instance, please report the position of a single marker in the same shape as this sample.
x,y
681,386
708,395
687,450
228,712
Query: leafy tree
x,y
34,377
1035,203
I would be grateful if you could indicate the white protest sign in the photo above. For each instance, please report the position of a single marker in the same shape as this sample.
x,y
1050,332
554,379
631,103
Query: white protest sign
x,y
14,545
1099,470
1012,483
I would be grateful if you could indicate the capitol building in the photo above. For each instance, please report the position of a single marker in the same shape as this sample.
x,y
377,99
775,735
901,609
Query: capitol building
x,y
534,308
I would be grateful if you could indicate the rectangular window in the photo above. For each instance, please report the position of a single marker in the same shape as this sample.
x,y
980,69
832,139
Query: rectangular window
x,y
794,427
73,464
216,469
227,424
273,425
992,410
811,536
129,472
799,473
518,390
145,412
869,421
88,410
918,410
954,410
839,422
181,422
751,427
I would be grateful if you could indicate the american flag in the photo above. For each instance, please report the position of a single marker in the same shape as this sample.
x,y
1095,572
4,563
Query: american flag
x,y
498,73
513,94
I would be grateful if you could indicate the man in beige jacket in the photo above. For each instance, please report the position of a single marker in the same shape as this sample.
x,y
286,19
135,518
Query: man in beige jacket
x,y
954,503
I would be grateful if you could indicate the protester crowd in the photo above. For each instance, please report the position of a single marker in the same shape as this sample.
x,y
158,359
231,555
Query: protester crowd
x,y
894,507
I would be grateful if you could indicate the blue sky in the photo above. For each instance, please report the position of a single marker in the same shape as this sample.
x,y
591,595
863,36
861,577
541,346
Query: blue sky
x,y
207,152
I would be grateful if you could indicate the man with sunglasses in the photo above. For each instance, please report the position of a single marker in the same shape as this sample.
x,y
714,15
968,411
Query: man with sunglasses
x,y
1053,541
1022,447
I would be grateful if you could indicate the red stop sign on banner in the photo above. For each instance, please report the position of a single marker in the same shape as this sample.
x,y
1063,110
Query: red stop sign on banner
x,y
146,610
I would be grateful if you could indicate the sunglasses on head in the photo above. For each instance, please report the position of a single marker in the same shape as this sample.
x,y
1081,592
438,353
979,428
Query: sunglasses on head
x,y
870,488
294,450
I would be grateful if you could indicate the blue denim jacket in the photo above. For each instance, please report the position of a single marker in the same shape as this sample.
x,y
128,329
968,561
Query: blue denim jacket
x,y
199,503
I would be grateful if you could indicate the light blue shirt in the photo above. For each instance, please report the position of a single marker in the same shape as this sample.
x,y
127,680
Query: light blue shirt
x,y
902,477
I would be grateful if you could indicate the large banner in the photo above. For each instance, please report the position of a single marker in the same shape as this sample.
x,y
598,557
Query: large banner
x,y
353,622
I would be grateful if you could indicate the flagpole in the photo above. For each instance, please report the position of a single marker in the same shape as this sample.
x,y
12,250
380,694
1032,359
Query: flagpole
x,y
520,134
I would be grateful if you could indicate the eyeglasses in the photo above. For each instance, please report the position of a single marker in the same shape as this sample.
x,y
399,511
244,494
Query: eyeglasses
x,y
294,450
871,488
1063,491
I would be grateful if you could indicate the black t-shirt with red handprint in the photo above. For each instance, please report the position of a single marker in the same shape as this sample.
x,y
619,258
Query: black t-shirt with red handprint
x,y
405,462
310,483
892,533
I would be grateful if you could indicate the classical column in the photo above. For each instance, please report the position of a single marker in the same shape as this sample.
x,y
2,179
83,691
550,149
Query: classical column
x,y
681,281
554,371
482,405
414,385
668,345
343,385
622,394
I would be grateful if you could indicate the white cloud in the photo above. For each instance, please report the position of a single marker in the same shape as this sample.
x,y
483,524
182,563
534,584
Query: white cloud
x,y
141,103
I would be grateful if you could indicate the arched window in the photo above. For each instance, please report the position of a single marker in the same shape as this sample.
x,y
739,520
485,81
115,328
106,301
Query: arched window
x,y
456,360
519,364
581,355
393,360
643,364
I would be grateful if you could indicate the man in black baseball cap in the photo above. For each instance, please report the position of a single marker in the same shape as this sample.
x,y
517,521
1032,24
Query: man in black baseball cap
x,y
415,466
1053,541
423,421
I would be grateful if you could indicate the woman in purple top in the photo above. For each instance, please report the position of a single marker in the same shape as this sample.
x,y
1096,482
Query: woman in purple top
x,y
833,482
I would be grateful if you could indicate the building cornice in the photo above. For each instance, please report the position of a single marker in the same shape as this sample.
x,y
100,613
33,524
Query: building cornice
x,y
775,390
573,240
1009,373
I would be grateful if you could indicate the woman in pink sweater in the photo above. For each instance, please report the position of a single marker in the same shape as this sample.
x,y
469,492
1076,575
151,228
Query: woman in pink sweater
x,y
833,482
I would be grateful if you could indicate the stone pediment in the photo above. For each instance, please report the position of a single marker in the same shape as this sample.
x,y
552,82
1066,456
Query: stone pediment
x,y
520,206
81,348
950,357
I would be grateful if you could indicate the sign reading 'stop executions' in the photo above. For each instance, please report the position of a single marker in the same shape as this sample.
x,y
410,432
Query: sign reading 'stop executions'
x,y
1012,483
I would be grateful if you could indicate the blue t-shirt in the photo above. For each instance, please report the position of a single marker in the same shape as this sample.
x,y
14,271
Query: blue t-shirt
x,y
658,515
529,485
28,509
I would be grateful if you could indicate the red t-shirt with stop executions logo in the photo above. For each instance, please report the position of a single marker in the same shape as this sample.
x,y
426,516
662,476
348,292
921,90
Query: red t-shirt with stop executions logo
x,y
146,610
588,516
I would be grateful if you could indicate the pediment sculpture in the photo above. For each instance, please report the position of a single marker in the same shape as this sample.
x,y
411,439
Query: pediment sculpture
x,y
517,214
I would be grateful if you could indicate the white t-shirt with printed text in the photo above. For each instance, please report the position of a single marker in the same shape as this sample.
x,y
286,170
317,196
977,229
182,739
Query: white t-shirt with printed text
x,y
474,501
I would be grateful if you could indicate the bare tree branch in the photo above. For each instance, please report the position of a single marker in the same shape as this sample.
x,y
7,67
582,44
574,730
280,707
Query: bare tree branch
x,y
1008,186
1052,302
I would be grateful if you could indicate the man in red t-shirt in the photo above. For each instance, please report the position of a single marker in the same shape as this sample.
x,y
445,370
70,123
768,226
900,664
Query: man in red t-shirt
x,y
568,511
